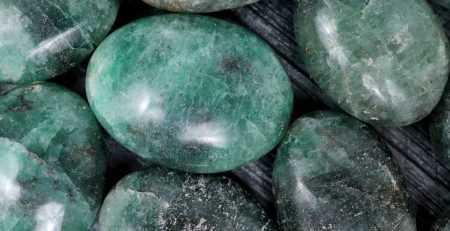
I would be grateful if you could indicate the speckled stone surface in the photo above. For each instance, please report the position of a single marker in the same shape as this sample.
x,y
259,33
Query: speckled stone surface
x,y
384,62
198,6
331,173
190,92
37,196
58,126
443,223
440,128
162,199
44,38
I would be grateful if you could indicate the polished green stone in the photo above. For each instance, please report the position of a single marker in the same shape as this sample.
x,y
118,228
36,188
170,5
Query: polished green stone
x,y
58,126
190,92
331,173
40,39
198,6
384,62
37,196
161,199
440,128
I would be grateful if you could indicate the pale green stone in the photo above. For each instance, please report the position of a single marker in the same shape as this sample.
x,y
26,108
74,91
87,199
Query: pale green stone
x,y
198,6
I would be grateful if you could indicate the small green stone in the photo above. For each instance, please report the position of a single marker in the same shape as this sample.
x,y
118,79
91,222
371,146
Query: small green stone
x,y
384,62
58,126
190,92
331,173
42,39
198,6
161,199
37,196
440,128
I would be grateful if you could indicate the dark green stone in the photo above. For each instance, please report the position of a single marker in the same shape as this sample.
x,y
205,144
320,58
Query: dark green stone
x,y
384,62
190,92
444,3
161,199
443,222
198,6
59,127
40,39
331,173
37,196
440,128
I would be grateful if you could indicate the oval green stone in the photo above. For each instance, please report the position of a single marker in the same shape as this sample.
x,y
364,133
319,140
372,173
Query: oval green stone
x,y
42,39
384,62
37,196
332,173
440,128
198,6
190,92
161,199
58,126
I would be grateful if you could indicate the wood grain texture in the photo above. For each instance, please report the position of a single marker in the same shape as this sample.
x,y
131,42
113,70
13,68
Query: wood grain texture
x,y
427,179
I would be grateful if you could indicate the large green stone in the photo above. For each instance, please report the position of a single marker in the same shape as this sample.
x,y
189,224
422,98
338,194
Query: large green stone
x,y
40,39
37,196
331,173
161,199
190,92
58,126
440,128
198,6
384,62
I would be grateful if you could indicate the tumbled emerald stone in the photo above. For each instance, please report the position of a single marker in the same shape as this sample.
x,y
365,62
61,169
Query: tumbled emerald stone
x,y
190,92
331,173
198,6
45,38
384,62
35,195
440,128
161,199
59,127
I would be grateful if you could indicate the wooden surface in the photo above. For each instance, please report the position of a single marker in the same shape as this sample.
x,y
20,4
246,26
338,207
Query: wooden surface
x,y
427,180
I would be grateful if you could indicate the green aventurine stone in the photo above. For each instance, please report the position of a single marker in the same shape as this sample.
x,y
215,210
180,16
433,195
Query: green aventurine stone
x,y
190,92
45,38
384,62
37,196
58,126
440,128
161,199
198,6
332,173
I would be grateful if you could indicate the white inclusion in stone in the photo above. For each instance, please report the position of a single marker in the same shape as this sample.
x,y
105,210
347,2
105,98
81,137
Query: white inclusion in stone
x,y
15,42
209,133
49,217
55,44
143,104
396,93
10,190
371,85
327,31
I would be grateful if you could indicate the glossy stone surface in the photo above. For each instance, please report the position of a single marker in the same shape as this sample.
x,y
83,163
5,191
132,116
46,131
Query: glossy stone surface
x,y
331,173
440,128
162,199
198,6
190,92
59,127
42,39
384,62
37,196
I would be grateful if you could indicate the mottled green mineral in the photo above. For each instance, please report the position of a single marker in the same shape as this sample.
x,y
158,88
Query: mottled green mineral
x,y
384,62
190,92
45,38
331,173
161,199
198,6
58,126
38,196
